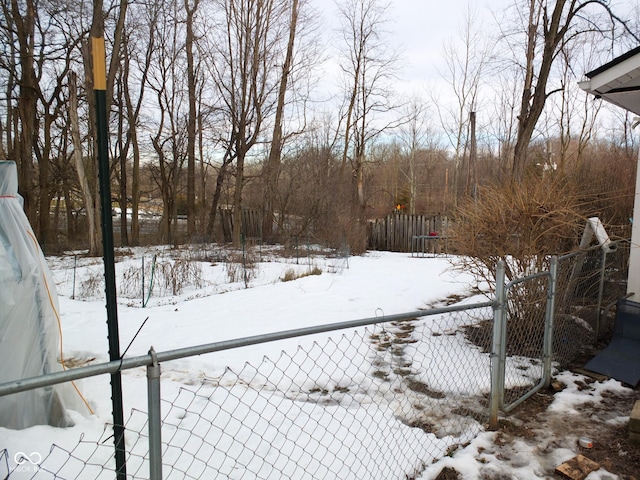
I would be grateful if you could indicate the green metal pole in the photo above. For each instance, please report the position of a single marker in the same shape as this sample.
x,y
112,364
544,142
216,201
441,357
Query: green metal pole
x,y
100,90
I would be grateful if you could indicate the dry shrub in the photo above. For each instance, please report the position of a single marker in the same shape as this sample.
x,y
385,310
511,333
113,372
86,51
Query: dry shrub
x,y
92,286
348,232
174,276
523,224
166,277
289,275
130,284
233,270
241,268
608,178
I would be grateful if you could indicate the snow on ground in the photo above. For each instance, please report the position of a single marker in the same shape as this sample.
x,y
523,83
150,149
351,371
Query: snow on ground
x,y
221,307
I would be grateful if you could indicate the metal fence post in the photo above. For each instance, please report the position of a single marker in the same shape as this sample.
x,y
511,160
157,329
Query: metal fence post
x,y
603,273
547,352
497,358
155,421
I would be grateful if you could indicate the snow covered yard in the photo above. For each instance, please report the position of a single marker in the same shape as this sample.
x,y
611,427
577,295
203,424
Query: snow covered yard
x,y
398,400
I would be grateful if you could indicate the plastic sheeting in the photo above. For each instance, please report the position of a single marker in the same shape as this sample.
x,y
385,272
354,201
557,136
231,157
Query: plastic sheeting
x,y
29,319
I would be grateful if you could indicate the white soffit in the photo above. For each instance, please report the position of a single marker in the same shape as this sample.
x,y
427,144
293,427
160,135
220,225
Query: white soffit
x,y
618,81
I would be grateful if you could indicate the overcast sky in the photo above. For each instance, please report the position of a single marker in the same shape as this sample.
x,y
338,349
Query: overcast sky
x,y
422,27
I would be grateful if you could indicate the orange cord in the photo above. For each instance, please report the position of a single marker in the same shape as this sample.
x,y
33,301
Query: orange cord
x,y
55,311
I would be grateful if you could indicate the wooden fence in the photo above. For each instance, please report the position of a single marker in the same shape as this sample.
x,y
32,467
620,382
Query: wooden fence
x,y
395,232
251,224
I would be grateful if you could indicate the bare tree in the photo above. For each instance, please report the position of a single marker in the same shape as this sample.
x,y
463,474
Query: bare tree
x,y
166,79
368,67
575,114
39,65
191,10
271,168
466,63
215,200
85,190
9,61
548,31
251,39
413,137
20,29
143,25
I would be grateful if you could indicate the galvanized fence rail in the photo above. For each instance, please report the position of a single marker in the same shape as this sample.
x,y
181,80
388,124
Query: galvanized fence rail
x,y
523,332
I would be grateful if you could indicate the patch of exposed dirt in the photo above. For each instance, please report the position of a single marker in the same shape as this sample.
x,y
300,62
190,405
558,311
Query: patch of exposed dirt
x,y
453,299
72,362
599,421
603,421
448,473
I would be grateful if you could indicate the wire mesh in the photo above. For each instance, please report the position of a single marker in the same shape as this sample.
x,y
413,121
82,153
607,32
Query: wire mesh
x,y
380,402
588,282
525,315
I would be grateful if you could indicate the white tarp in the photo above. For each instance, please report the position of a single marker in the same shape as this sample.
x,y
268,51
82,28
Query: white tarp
x,y
29,318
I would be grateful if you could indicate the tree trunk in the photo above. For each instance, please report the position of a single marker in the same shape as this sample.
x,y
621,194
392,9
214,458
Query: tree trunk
x,y
27,104
534,96
94,246
122,149
470,188
135,178
237,202
202,196
68,206
191,121
272,167
222,173
165,191
44,168
132,120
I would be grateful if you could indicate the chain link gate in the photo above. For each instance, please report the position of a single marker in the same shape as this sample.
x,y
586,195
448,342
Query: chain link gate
x,y
522,337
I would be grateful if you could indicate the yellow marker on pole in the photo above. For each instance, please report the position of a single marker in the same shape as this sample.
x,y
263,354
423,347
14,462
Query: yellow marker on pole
x,y
99,63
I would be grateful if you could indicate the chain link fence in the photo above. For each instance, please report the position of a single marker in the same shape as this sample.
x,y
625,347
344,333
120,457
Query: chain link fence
x,y
525,331
375,398
379,401
589,283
